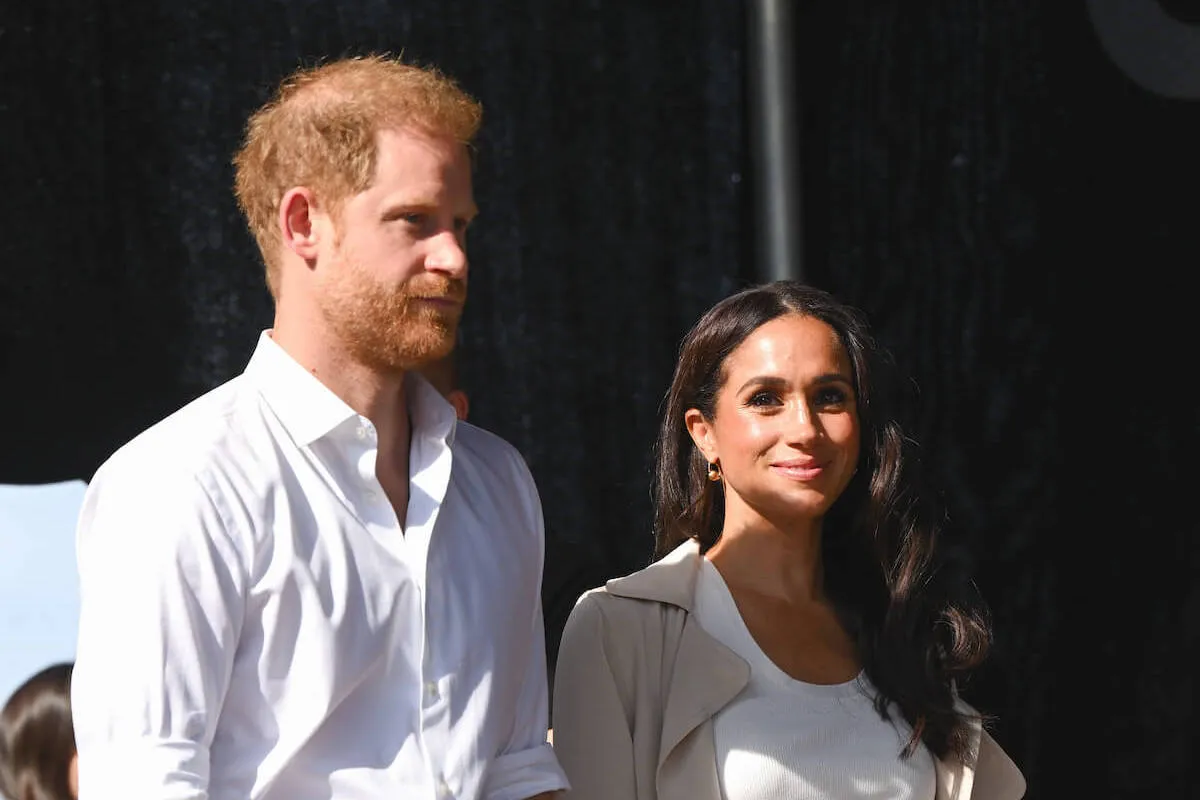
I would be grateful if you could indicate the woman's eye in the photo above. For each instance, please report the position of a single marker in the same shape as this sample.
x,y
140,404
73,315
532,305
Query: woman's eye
x,y
831,397
762,399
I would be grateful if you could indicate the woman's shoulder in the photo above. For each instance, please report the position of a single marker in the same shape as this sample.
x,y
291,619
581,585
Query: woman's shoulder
x,y
671,580
622,612
602,609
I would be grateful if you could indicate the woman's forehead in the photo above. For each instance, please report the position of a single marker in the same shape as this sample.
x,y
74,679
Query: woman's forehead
x,y
790,343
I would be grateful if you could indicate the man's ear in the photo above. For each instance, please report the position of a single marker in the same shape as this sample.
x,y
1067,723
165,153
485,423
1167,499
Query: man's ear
x,y
702,433
297,227
458,399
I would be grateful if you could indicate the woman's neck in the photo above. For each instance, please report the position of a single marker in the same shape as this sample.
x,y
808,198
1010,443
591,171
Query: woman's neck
x,y
779,562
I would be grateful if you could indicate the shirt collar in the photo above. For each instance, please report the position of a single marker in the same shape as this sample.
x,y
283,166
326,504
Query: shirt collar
x,y
309,410
432,415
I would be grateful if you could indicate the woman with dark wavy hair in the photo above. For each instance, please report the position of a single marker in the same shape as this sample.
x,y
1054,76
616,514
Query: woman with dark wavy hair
x,y
804,628
37,741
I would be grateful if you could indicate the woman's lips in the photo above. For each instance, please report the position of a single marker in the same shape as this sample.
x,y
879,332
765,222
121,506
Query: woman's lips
x,y
798,470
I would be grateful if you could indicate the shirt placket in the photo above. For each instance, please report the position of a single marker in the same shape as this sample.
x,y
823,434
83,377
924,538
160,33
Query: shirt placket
x,y
433,700
411,546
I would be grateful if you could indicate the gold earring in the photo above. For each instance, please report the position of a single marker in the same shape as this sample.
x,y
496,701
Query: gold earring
x,y
714,471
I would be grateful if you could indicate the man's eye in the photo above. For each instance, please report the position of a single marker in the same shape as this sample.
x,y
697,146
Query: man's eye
x,y
414,218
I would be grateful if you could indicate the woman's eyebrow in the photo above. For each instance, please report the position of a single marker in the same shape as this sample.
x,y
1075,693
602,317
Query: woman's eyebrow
x,y
774,381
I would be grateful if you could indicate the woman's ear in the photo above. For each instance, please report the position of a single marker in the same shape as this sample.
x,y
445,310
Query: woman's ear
x,y
702,433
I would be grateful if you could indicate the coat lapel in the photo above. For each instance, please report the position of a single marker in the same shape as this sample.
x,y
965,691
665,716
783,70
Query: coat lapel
x,y
706,677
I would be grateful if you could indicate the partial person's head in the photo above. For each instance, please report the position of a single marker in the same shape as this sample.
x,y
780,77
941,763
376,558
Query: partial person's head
x,y
443,374
770,414
355,179
37,739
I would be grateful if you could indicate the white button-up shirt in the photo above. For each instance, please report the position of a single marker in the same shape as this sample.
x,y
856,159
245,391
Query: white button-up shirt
x,y
255,622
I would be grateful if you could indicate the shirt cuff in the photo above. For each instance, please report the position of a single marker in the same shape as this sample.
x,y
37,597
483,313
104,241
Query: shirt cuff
x,y
154,770
516,776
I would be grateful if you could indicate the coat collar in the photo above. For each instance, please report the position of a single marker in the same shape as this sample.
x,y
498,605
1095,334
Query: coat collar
x,y
708,675
670,580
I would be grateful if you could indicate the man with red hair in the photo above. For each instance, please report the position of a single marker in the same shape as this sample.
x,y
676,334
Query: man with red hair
x,y
315,581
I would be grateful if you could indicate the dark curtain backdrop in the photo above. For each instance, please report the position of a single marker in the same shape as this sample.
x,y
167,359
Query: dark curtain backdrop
x,y
1014,213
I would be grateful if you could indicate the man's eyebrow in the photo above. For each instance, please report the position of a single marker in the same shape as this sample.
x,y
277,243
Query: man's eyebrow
x,y
397,205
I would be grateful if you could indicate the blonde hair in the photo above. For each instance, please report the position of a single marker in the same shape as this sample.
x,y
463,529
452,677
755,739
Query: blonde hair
x,y
319,131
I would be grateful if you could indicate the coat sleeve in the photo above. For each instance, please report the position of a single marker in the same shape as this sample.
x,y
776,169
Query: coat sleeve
x,y
591,725
996,776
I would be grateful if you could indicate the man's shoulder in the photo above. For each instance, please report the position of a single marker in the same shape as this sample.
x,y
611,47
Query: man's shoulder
x,y
190,439
492,471
482,447
481,441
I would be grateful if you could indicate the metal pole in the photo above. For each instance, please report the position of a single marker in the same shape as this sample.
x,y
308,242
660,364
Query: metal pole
x,y
774,123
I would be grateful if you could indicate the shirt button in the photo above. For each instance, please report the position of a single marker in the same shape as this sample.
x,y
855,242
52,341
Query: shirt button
x,y
372,496
360,432
443,790
431,690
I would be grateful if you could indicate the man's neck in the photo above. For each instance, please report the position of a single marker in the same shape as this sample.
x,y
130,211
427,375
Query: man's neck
x,y
378,396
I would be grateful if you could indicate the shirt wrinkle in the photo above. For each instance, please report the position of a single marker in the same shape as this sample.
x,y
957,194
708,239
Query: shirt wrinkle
x,y
346,657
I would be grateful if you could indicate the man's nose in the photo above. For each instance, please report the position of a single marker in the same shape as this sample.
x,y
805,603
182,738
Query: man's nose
x,y
448,255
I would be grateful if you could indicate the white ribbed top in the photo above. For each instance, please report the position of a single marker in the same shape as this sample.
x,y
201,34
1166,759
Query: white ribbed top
x,y
783,738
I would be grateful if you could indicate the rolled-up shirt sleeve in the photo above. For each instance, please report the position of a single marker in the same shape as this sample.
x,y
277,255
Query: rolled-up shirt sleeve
x,y
162,588
528,765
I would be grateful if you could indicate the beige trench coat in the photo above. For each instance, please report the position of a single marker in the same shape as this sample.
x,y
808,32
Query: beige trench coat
x,y
638,681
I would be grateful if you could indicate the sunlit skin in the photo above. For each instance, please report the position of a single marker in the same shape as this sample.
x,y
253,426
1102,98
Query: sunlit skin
x,y
785,434
378,288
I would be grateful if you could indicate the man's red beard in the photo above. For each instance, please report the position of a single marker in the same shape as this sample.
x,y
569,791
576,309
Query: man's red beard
x,y
395,330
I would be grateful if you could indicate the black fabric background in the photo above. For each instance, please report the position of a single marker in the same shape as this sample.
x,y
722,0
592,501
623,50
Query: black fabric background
x,y
1014,213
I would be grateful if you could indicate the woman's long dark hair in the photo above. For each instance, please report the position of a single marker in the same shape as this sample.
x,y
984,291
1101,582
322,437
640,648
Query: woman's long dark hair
x,y
37,740
918,622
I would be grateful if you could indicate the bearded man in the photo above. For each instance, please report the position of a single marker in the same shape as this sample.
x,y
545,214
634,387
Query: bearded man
x,y
314,581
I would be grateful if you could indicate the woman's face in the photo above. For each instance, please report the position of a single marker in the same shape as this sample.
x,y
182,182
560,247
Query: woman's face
x,y
785,432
